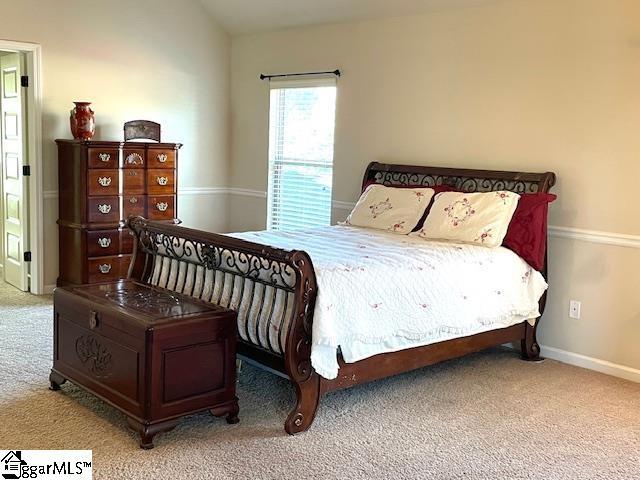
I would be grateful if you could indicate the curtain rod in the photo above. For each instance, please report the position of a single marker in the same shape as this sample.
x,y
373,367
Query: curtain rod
x,y
263,76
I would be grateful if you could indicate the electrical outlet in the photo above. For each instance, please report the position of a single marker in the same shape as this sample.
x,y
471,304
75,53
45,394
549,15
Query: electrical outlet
x,y
574,309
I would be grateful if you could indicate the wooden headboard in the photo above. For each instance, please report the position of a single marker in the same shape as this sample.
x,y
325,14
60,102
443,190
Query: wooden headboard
x,y
462,179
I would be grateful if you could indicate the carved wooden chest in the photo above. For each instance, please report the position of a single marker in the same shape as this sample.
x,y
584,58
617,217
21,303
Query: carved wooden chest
x,y
99,185
151,353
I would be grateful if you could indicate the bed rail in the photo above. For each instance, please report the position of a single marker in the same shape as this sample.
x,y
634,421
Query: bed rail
x,y
273,290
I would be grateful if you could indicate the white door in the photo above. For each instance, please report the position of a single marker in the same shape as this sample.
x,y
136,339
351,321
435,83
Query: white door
x,y
14,188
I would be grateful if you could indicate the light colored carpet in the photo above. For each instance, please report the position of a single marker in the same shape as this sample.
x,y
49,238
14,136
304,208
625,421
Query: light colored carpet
x,y
487,416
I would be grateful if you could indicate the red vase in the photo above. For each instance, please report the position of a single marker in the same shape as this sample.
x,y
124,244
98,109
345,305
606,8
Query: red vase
x,y
82,120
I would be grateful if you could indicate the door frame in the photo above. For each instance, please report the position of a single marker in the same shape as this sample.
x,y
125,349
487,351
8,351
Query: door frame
x,y
33,65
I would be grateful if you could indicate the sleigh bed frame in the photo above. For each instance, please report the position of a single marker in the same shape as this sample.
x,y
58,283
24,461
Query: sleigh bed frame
x,y
206,265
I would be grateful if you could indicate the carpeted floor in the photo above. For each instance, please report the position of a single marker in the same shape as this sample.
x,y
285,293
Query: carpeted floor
x,y
487,416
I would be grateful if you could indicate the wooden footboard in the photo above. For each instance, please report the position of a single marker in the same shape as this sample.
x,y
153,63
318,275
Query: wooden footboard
x,y
273,291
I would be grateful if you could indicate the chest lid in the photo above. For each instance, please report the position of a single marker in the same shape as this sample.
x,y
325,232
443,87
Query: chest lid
x,y
152,305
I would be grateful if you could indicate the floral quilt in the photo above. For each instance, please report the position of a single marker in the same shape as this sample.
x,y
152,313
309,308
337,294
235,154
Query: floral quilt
x,y
379,292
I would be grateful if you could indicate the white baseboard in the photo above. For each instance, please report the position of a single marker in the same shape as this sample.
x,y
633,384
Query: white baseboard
x,y
591,363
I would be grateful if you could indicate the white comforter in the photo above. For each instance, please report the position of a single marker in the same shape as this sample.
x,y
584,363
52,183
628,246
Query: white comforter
x,y
382,292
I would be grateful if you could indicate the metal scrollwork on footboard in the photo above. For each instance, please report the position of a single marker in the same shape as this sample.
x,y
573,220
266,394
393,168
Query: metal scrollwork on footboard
x,y
271,289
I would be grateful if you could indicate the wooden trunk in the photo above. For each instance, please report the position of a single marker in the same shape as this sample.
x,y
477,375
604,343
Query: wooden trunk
x,y
153,354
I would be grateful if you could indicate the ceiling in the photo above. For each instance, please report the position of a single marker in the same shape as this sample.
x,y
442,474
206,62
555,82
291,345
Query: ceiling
x,y
248,16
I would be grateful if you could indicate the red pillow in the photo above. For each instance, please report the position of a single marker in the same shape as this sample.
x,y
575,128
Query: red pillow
x,y
527,233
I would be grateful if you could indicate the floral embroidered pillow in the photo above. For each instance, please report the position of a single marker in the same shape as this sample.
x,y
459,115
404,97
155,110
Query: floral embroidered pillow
x,y
481,218
396,210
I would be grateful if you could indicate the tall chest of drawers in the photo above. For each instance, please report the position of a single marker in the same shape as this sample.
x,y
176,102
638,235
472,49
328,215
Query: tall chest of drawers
x,y
100,184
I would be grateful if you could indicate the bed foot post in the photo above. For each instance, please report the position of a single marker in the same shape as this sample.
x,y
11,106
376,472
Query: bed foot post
x,y
529,344
308,398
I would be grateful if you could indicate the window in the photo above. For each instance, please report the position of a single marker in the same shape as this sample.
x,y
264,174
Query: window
x,y
301,127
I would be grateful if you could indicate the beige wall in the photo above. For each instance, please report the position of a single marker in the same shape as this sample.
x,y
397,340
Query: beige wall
x,y
521,84
156,59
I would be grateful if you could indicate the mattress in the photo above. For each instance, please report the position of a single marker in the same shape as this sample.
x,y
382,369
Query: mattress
x,y
381,292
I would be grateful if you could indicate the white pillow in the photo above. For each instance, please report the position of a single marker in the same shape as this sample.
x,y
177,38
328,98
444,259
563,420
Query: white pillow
x,y
481,218
397,210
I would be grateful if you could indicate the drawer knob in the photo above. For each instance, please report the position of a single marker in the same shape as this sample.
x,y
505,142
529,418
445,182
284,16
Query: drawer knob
x,y
104,208
104,157
104,268
162,206
162,157
93,320
134,159
104,242
104,181
162,180
133,200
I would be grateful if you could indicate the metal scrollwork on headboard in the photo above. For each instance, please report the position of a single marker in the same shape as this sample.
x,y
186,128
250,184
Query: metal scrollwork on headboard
x,y
465,180
459,183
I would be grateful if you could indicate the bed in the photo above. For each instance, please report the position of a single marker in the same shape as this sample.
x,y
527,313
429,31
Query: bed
x,y
286,326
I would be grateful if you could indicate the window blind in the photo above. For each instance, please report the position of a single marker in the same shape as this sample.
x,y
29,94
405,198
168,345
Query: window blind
x,y
301,132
